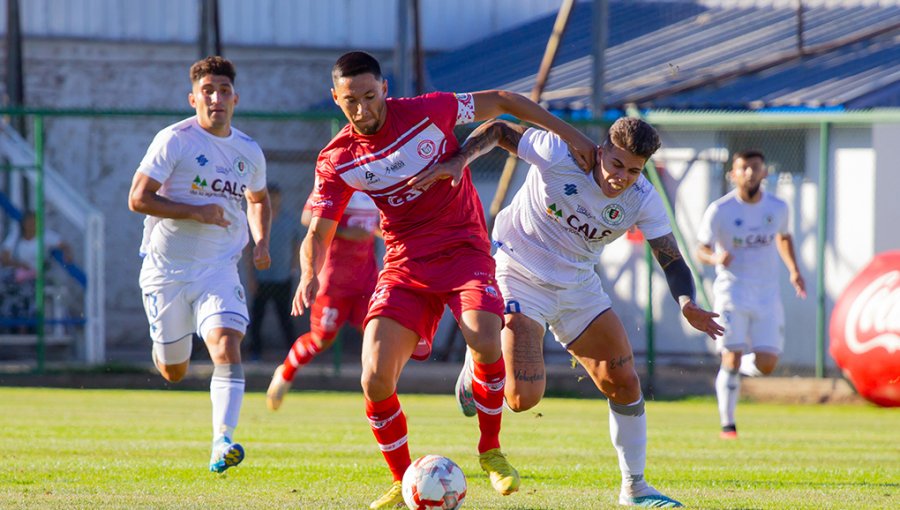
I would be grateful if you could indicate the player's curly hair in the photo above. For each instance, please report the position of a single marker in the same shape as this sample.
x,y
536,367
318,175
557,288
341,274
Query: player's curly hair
x,y
633,135
217,66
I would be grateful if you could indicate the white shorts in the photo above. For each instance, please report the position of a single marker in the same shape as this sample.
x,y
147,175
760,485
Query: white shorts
x,y
758,327
568,311
178,309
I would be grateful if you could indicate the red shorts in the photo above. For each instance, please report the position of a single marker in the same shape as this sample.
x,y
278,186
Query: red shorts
x,y
330,313
415,291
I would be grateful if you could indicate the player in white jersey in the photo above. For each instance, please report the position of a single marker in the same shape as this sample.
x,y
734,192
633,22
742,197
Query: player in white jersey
x,y
191,185
549,239
742,234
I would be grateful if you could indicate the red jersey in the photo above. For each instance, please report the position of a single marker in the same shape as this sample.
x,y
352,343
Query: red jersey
x,y
417,133
350,267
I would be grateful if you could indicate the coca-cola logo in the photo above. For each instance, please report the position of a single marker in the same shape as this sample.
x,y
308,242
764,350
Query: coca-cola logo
x,y
873,319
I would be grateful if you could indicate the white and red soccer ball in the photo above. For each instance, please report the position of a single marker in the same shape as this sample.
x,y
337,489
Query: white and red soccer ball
x,y
865,330
434,482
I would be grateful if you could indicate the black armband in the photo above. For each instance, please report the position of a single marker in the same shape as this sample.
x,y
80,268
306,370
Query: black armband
x,y
680,279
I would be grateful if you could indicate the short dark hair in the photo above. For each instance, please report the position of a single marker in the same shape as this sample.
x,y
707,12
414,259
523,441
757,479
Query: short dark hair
x,y
217,66
355,63
749,153
633,135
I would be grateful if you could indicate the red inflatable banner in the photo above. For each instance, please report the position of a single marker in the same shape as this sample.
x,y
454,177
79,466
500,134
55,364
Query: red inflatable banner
x,y
865,330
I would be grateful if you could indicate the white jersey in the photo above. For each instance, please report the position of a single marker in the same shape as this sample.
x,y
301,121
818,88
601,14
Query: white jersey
x,y
747,231
196,167
560,220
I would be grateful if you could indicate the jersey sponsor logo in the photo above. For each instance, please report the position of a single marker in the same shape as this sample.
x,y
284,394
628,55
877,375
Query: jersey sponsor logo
x,y
588,232
582,210
393,167
554,212
405,197
199,184
753,241
223,187
425,149
570,189
613,214
201,159
240,165
371,178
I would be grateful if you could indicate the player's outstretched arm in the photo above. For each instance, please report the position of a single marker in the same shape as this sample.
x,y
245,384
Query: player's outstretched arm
x,y
785,245
259,217
313,251
494,103
143,198
485,137
681,285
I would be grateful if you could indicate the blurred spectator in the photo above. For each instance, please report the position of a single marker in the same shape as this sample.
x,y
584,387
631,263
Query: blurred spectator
x,y
275,283
18,257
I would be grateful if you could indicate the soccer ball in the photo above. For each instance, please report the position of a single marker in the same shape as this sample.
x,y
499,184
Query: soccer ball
x,y
433,481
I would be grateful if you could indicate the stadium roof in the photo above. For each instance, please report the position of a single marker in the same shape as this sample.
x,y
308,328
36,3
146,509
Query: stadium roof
x,y
684,55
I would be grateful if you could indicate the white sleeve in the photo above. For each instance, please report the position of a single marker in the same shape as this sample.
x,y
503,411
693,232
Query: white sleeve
x,y
783,226
161,157
258,180
706,235
653,221
542,149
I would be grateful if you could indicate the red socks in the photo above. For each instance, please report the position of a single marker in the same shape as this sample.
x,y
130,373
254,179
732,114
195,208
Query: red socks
x,y
487,388
389,426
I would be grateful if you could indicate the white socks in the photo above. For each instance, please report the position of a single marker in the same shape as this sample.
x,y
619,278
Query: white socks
x,y
628,431
226,390
728,389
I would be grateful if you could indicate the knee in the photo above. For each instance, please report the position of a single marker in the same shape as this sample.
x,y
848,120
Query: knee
x,y
766,367
173,373
623,387
519,403
376,387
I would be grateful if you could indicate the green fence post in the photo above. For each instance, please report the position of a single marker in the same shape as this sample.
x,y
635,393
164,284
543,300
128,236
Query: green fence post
x,y
648,323
822,206
337,348
39,222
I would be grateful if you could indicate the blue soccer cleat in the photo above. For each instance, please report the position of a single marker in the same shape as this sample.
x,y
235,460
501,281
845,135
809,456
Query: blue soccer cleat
x,y
648,498
225,454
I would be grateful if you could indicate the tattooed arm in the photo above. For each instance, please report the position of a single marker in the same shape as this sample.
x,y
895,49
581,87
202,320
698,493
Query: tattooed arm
x,y
681,284
485,137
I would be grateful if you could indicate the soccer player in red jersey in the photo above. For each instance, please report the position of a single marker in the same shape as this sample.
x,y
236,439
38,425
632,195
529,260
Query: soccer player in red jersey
x,y
437,246
347,280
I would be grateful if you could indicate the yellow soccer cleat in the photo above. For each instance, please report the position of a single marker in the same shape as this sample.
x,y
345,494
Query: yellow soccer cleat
x,y
278,388
393,498
504,477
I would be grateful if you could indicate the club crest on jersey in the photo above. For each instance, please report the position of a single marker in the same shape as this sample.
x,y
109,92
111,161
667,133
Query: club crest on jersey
x,y
426,149
613,214
239,293
240,165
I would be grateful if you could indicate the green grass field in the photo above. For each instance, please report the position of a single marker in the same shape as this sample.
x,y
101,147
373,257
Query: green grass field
x,y
96,449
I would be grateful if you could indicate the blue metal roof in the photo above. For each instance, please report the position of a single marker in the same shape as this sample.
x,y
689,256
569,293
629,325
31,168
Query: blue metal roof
x,y
659,53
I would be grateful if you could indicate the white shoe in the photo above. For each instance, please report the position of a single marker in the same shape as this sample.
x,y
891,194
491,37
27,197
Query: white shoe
x,y
278,388
464,396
